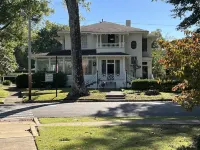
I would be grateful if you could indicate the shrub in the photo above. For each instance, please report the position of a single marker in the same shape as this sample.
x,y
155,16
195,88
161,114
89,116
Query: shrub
x,y
39,78
22,81
145,84
7,82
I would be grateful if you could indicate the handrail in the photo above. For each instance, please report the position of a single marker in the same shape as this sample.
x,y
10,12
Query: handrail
x,y
111,45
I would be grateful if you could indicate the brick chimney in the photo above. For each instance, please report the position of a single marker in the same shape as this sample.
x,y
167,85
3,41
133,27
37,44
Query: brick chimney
x,y
128,23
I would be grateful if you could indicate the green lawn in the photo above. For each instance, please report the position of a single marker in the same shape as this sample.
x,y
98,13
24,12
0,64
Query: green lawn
x,y
134,137
3,92
95,119
49,95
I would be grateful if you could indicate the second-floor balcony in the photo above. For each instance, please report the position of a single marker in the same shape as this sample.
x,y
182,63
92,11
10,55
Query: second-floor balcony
x,y
110,41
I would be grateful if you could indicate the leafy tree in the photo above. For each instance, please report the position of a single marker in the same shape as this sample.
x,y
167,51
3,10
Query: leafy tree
x,y
183,59
78,85
187,9
45,40
13,26
158,54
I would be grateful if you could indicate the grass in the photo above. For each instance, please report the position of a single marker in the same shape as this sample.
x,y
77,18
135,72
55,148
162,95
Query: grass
x,y
96,119
3,92
49,95
134,137
142,96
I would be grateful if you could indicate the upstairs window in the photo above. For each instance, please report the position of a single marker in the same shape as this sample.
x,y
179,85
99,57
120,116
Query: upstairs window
x,y
133,45
83,41
111,38
144,45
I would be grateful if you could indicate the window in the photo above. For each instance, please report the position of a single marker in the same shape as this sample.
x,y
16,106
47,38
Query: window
x,y
145,72
117,67
134,60
53,64
68,66
144,63
83,41
111,38
42,64
88,67
133,44
103,63
144,45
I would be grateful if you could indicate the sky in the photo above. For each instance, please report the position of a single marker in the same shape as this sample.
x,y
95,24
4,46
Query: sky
x,y
143,14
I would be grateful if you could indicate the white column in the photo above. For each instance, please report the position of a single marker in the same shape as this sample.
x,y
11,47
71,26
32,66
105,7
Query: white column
x,y
119,40
100,41
36,65
97,66
49,64
63,64
123,41
97,44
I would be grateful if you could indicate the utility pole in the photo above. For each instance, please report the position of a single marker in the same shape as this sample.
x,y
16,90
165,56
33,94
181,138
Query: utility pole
x,y
29,58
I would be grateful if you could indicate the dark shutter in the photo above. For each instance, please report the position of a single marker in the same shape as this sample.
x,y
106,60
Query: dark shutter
x,y
144,45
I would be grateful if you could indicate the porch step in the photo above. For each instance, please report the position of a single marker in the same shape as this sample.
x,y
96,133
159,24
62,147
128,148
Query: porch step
x,y
115,95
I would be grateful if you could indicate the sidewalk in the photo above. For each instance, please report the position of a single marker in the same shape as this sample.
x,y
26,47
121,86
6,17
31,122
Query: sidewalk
x,y
16,136
125,122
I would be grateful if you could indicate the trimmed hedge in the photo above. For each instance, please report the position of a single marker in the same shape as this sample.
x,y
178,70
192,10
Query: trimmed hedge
x,y
147,84
7,82
39,78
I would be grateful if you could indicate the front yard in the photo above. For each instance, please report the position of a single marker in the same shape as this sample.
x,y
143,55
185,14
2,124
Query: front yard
x,y
131,137
95,95
3,93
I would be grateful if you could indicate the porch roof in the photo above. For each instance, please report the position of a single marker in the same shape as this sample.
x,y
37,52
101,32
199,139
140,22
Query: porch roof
x,y
89,52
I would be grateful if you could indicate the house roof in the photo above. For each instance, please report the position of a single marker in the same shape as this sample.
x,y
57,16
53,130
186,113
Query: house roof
x,y
109,27
88,52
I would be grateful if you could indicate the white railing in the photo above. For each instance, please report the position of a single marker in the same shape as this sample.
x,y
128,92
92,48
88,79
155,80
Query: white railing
x,y
110,45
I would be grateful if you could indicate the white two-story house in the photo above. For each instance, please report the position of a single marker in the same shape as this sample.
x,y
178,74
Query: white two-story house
x,y
112,53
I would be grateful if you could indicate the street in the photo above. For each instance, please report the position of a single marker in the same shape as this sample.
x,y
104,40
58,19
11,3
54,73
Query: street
x,y
95,109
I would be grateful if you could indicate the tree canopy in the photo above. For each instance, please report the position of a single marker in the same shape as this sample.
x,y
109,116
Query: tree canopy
x,y
183,59
188,10
13,26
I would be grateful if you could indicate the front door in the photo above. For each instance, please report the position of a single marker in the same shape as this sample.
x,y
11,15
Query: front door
x,y
110,71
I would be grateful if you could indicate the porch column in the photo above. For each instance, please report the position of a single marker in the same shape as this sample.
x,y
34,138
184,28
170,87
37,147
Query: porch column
x,y
97,44
100,41
49,64
97,68
63,64
119,40
36,64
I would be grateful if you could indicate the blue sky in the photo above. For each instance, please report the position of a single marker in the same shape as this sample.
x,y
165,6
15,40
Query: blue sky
x,y
143,14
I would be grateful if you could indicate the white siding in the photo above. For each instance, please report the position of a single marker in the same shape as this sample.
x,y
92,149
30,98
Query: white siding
x,y
135,52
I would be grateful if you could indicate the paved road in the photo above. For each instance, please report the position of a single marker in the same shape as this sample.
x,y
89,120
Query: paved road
x,y
96,109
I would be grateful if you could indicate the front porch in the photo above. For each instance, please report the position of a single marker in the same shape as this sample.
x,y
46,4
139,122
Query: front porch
x,y
100,71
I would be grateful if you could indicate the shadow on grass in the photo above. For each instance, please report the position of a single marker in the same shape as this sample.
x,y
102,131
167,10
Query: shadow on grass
x,y
135,137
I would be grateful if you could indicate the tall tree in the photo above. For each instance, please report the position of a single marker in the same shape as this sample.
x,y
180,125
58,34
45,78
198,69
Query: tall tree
x,y
45,39
188,10
78,85
13,24
182,57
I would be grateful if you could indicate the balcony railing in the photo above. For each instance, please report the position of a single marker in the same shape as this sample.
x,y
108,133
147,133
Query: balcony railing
x,y
110,45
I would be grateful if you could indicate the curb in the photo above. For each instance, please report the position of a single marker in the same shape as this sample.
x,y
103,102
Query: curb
x,y
95,100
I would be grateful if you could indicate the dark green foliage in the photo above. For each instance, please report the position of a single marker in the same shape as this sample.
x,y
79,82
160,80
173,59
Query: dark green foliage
x,y
38,80
149,84
145,84
22,81
7,82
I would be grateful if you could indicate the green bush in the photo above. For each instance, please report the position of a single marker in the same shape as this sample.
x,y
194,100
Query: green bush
x,y
145,84
166,86
22,81
7,82
38,80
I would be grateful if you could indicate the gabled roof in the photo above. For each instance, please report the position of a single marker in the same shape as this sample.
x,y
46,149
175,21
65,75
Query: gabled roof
x,y
109,27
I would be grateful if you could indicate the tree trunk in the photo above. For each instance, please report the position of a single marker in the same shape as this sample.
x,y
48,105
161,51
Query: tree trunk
x,y
78,85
